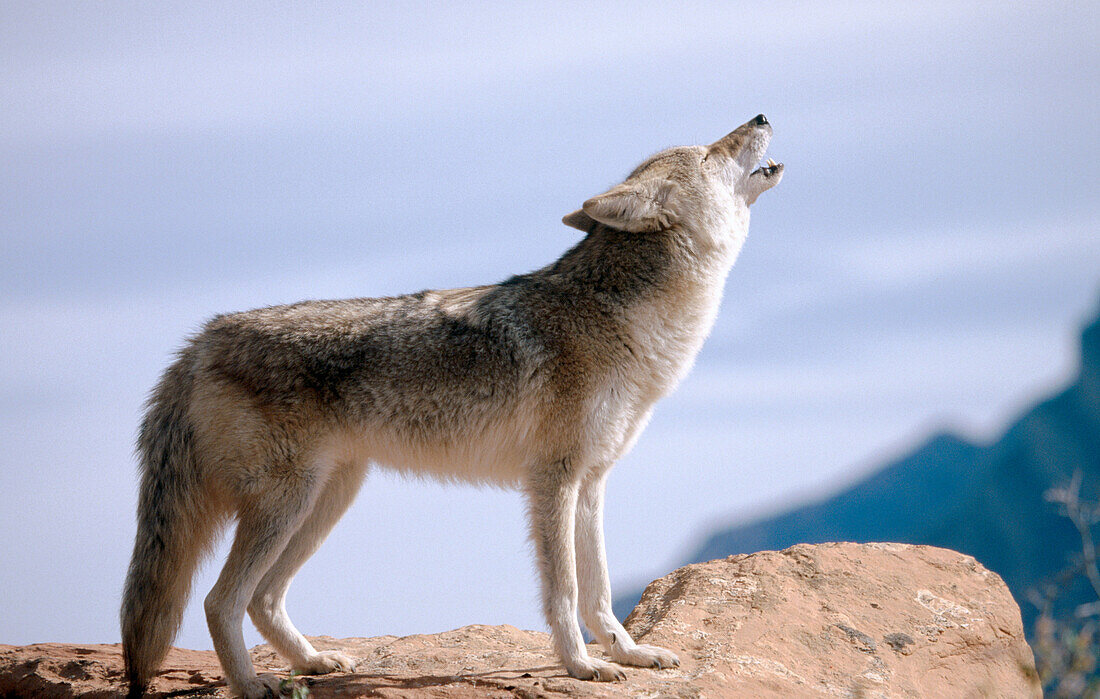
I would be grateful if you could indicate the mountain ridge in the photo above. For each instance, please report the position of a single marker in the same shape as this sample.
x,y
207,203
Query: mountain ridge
x,y
985,500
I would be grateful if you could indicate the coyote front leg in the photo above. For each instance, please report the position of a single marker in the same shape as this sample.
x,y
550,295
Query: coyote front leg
x,y
552,499
595,585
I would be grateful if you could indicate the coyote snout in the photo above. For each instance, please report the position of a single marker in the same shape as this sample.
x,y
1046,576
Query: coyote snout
x,y
273,417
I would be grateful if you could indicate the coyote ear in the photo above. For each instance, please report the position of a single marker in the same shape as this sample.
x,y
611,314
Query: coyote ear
x,y
579,220
638,206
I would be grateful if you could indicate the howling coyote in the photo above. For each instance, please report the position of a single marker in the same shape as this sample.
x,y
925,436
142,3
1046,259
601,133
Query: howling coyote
x,y
273,417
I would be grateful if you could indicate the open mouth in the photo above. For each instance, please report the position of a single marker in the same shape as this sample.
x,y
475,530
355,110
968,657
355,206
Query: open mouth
x,y
771,168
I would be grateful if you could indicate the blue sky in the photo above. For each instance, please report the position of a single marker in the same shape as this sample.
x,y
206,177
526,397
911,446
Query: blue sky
x,y
926,262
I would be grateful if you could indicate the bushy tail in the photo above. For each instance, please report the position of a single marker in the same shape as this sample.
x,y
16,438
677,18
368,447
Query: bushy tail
x,y
174,528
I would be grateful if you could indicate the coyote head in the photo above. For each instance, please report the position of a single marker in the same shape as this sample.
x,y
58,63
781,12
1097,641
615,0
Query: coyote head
x,y
704,189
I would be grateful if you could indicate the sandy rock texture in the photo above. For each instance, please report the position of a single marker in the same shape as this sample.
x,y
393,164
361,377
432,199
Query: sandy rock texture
x,y
848,620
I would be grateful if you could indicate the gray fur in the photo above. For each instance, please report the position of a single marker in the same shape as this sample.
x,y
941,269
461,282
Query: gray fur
x,y
272,417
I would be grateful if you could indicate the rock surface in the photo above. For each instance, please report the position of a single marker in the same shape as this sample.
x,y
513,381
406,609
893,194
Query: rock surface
x,y
841,619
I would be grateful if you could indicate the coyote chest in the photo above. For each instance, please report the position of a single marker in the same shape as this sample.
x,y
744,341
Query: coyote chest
x,y
669,333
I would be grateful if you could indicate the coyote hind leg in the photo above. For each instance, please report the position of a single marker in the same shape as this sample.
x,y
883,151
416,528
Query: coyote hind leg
x,y
265,525
268,605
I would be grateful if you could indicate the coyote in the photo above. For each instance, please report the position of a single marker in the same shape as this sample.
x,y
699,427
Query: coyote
x,y
272,417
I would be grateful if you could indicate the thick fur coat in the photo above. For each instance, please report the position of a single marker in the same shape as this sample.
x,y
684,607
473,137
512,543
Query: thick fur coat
x,y
272,417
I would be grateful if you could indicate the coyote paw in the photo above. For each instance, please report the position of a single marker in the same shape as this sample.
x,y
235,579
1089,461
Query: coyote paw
x,y
598,670
325,662
261,687
645,656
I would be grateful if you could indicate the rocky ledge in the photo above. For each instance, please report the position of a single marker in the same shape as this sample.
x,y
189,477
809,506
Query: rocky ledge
x,y
838,619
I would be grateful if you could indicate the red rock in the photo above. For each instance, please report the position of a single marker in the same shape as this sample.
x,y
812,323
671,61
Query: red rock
x,y
823,620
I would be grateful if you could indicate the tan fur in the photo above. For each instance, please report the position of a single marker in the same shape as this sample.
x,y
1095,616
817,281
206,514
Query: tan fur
x,y
271,417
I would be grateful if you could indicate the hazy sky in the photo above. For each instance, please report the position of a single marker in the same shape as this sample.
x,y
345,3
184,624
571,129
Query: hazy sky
x,y
926,262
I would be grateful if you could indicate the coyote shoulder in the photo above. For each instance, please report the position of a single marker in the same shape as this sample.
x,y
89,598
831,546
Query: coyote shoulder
x,y
272,417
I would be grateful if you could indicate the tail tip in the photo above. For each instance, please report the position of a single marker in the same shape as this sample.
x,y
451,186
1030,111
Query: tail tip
x,y
137,689
137,683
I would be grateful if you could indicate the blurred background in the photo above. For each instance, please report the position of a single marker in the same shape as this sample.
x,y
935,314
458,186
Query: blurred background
x,y
917,285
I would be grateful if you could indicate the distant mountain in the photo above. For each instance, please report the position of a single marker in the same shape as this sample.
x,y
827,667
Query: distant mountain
x,y
983,500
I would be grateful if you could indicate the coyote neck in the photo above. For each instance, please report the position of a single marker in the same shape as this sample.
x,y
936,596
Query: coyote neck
x,y
665,291
672,326
630,268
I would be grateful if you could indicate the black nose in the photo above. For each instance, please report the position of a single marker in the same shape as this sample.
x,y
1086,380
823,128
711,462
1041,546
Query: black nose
x,y
760,119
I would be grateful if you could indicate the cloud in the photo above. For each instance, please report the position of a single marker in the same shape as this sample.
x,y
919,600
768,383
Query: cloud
x,y
207,67
973,250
